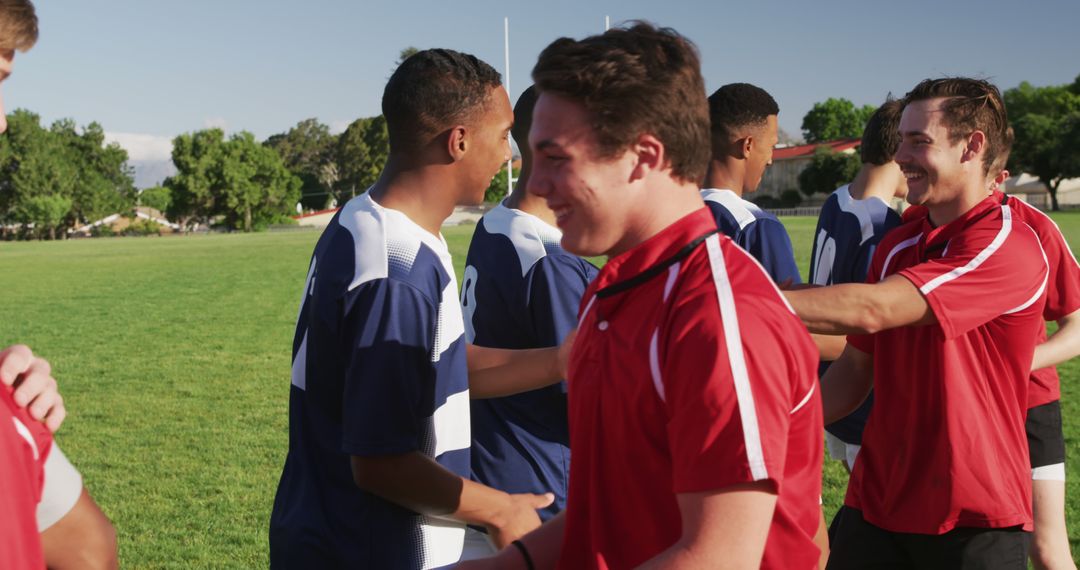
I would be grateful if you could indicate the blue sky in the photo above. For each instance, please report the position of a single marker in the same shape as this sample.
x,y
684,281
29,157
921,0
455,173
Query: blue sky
x,y
148,70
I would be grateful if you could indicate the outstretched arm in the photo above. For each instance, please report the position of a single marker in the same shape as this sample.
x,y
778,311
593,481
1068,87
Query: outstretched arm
x,y
418,483
496,372
859,308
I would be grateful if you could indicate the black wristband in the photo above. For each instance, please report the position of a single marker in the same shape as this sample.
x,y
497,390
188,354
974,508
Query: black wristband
x,y
524,554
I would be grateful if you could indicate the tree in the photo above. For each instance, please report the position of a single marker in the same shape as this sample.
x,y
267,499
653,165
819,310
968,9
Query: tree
x,y
405,54
104,182
834,119
361,154
1046,121
158,198
308,151
828,170
194,188
496,190
38,175
46,213
257,189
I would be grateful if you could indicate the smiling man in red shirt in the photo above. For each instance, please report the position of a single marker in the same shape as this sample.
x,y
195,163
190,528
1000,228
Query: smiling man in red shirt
x,y
695,419
948,320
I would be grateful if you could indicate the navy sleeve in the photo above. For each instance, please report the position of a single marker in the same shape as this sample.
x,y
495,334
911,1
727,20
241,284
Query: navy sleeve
x,y
389,330
556,284
768,241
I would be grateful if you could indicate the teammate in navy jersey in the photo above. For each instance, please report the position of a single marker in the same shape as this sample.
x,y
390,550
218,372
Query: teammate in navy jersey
x,y
744,132
852,222
522,290
377,474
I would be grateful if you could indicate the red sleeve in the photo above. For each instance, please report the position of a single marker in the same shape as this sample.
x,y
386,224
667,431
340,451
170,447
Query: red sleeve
x,y
728,417
986,272
1063,287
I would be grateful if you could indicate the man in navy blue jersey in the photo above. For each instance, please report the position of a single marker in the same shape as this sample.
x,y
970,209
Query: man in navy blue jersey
x,y
744,132
522,290
852,222
377,474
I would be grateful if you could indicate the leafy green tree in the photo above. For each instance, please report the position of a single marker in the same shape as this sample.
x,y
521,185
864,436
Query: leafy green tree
x,y
496,191
46,213
35,167
308,151
828,170
158,198
1047,125
835,118
194,188
361,154
257,189
105,183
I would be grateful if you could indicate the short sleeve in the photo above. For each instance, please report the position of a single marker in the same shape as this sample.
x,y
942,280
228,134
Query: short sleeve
x,y
555,286
1063,289
726,424
769,243
390,332
983,275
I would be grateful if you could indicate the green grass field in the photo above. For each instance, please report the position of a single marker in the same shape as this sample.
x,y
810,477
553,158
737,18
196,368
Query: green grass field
x,y
173,357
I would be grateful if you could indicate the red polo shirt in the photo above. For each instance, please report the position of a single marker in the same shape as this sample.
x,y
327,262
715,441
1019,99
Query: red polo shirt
x,y
1062,292
946,445
696,379
24,445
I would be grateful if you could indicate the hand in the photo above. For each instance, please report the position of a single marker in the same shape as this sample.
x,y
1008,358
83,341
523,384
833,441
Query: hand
x,y
563,356
35,388
519,518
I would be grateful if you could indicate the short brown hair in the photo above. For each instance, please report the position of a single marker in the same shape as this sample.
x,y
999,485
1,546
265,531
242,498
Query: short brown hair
x,y
18,25
970,105
881,137
430,91
635,80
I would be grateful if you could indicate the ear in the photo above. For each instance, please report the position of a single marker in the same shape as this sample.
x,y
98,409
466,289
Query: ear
x,y
743,147
976,146
457,142
649,156
1000,179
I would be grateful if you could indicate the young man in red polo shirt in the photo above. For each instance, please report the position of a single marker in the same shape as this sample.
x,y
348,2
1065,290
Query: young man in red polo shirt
x,y
694,411
945,331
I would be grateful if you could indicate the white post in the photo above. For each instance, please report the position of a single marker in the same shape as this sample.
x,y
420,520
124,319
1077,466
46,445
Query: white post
x,y
506,47
607,23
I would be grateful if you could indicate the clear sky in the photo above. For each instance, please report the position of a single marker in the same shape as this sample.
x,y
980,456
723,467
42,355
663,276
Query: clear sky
x,y
148,70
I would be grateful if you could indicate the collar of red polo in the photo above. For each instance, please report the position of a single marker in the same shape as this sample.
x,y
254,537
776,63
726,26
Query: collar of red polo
x,y
944,233
657,248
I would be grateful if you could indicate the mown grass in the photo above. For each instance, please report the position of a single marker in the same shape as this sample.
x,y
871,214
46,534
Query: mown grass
x,y
173,356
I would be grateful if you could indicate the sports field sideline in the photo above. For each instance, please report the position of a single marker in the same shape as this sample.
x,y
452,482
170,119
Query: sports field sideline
x,y
173,357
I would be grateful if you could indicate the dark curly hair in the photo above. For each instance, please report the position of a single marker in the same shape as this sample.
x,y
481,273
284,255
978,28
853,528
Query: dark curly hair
x,y
738,105
430,92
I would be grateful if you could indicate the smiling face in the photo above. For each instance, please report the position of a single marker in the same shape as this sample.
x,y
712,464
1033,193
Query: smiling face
x,y
592,198
489,144
932,164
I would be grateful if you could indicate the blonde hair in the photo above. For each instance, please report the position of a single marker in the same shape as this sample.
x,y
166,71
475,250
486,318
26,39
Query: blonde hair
x,y
18,25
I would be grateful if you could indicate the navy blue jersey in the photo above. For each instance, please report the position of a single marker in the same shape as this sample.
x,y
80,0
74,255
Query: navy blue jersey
x,y
756,231
848,231
521,290
378,369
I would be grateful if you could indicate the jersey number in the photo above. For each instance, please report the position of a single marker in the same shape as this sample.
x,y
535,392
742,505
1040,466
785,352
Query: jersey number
x,y
824,257
468,301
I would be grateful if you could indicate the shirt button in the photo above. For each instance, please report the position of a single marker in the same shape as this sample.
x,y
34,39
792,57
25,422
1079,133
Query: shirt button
x,y
603,325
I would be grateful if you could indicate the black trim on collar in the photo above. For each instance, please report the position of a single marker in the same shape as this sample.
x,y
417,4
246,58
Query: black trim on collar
x,y
644,276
